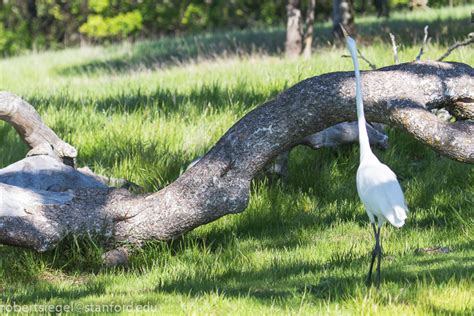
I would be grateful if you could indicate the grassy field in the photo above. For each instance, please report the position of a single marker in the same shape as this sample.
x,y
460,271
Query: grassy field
x,y
144,111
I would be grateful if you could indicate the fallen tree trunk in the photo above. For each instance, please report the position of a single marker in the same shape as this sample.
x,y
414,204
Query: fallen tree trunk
x,y
402,96
337,135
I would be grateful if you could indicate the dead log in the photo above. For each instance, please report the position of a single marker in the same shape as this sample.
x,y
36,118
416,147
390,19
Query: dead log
x,y
401,96
47,173
340,134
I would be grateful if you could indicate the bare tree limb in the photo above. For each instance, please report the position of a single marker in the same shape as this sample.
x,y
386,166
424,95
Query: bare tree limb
x,y
394,48
425,39
401,96
469,40
342,134
39,138
371,65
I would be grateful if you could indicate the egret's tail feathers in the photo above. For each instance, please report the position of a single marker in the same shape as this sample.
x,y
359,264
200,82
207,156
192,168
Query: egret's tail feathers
x,y
398,216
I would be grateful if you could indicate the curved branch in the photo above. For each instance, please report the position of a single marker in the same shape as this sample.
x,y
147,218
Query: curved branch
x,y
39,137
219,183
467,41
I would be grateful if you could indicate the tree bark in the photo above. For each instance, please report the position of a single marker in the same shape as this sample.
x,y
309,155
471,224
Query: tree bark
x,y
401,96
294,39
343,14
309,28
299,35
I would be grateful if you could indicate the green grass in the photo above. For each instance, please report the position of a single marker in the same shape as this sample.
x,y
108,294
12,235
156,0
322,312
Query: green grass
x,y
303,245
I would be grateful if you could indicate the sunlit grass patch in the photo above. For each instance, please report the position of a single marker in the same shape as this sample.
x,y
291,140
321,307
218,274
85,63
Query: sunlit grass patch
x,y
302,246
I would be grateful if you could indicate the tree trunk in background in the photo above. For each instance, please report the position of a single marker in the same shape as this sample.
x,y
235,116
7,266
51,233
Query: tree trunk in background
x,y
299,35
382,7
84,13
309,24
84,10
294,40
31,16
363,6
343,13
31,7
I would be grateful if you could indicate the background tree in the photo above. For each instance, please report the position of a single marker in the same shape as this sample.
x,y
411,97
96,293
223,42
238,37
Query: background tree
x,y
309,25
343,13
293,29
299,34
382,7
43,24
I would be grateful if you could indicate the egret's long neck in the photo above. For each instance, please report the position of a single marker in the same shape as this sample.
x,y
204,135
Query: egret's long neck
x,y
363,136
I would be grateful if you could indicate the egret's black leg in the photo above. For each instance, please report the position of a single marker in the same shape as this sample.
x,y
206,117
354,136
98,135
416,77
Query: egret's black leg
x,y
374,254
379,259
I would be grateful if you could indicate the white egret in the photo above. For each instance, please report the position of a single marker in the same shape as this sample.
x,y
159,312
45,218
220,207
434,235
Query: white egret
x,y
377,185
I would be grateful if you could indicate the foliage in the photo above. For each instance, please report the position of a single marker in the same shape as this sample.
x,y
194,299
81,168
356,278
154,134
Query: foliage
x,y
119,26
303,245
8,41
28,24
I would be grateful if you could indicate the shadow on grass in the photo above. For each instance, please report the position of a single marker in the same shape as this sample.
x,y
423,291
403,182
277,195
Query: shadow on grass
x,y
271,224
162,100
276,281
42,290
83,113
175,50
280,281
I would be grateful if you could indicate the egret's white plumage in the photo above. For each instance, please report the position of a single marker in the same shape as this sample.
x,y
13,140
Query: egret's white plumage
x,y
377,184
380,192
